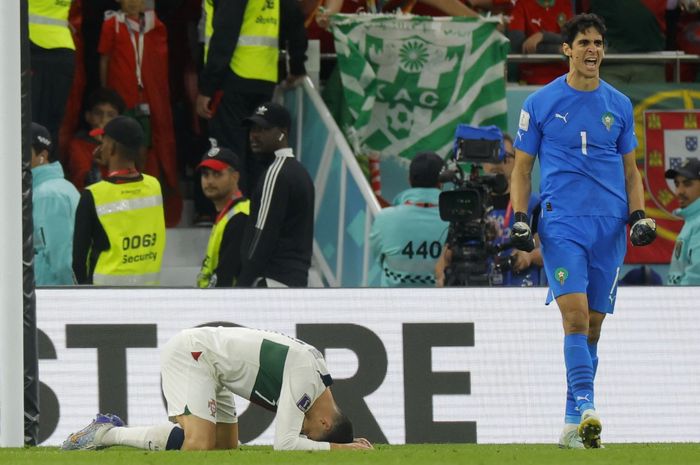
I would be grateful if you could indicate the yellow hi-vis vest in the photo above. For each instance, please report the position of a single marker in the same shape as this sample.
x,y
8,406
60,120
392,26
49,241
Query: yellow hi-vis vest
x,y
257,50
208,18
48,24
206,277
132,216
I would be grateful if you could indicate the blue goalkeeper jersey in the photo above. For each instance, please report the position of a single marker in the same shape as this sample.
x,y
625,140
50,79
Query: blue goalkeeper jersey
x,y
580,138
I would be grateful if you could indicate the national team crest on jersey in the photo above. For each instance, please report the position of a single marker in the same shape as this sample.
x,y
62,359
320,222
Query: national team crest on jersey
x,y
561,274
608,120
671,138
212,407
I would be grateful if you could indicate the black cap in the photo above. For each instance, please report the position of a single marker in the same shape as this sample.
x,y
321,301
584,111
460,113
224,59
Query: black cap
x,y
219,158
123,129
270,115
425,169
41,139
689,169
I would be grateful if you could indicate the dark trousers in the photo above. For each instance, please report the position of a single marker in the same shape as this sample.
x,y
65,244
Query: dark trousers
x,y
228,129
52,79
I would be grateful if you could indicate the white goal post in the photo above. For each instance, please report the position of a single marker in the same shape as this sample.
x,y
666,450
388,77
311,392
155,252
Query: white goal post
x,y
11,345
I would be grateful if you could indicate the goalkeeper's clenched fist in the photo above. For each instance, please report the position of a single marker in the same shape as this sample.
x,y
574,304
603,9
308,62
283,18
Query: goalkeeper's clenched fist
x,y
642,229
521,234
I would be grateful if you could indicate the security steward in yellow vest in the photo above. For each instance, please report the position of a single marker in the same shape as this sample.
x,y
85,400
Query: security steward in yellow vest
x,y
52,57
119,235
220,173
242,61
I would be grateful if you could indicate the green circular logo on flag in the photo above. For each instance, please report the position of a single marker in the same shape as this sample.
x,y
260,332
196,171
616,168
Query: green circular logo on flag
x,y
561,274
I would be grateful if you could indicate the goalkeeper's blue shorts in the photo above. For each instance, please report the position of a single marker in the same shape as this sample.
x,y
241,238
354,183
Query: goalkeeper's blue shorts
x,y
583,255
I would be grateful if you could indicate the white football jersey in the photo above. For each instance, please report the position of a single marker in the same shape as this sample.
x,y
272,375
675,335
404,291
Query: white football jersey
x,y
273,370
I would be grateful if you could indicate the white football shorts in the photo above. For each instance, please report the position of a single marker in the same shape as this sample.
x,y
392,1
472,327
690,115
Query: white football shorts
x,y
189,383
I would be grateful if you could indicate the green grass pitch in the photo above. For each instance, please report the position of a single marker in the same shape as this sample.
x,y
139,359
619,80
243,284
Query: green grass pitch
x,y
423,454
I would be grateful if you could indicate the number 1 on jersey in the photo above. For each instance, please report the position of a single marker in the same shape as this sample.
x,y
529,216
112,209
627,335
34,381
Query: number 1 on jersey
x,y
583,143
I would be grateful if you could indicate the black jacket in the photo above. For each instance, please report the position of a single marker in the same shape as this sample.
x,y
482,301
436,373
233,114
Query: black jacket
x,y
279,237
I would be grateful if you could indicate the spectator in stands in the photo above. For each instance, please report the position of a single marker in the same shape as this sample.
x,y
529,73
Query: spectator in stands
x,y
52,62
220,172
685,262
242,61
279,237
493,6
634,26
686,36
317,14
72,119
103,105
54,201
431,7
406,239
119,235
535,27
134,62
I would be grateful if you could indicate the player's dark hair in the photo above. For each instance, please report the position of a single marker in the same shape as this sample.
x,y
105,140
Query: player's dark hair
x,y
341,432
580,23
105,95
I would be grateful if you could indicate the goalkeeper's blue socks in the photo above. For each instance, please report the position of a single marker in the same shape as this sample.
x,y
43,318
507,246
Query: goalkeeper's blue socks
x,y
579,370
572,415
593,351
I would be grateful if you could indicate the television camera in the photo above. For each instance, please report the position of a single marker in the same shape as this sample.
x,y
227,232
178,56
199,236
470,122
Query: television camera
x,y
467,206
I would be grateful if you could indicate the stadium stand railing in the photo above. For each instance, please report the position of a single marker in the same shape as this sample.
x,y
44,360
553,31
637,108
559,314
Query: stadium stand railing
x,y
345,204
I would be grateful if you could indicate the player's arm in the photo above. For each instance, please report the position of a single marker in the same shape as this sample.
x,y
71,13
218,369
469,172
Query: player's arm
x,y
633,183
520,187
290,415
642,229
521,180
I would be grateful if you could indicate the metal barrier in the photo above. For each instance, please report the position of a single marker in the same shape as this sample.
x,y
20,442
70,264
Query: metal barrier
x,y
345,204
676,57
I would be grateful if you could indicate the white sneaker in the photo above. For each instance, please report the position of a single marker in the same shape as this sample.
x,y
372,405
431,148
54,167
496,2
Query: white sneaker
x,y
569,438
589,429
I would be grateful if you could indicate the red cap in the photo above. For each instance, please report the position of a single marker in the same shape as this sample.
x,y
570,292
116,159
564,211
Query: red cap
x,y
216,165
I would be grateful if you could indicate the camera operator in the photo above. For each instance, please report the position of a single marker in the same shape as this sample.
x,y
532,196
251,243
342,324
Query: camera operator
x,y
509,267
512,267
407,238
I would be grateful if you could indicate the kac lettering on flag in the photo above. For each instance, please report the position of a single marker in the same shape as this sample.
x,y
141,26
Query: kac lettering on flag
x,y
408,81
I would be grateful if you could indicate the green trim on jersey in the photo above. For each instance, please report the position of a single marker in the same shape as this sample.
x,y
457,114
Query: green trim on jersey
x,y
268,383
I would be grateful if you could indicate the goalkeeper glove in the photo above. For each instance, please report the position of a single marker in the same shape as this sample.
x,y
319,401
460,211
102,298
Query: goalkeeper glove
x,y
520,234
642,230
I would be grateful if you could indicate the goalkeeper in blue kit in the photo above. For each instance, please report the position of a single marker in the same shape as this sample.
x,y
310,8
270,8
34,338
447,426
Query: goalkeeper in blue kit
x,y
582,130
